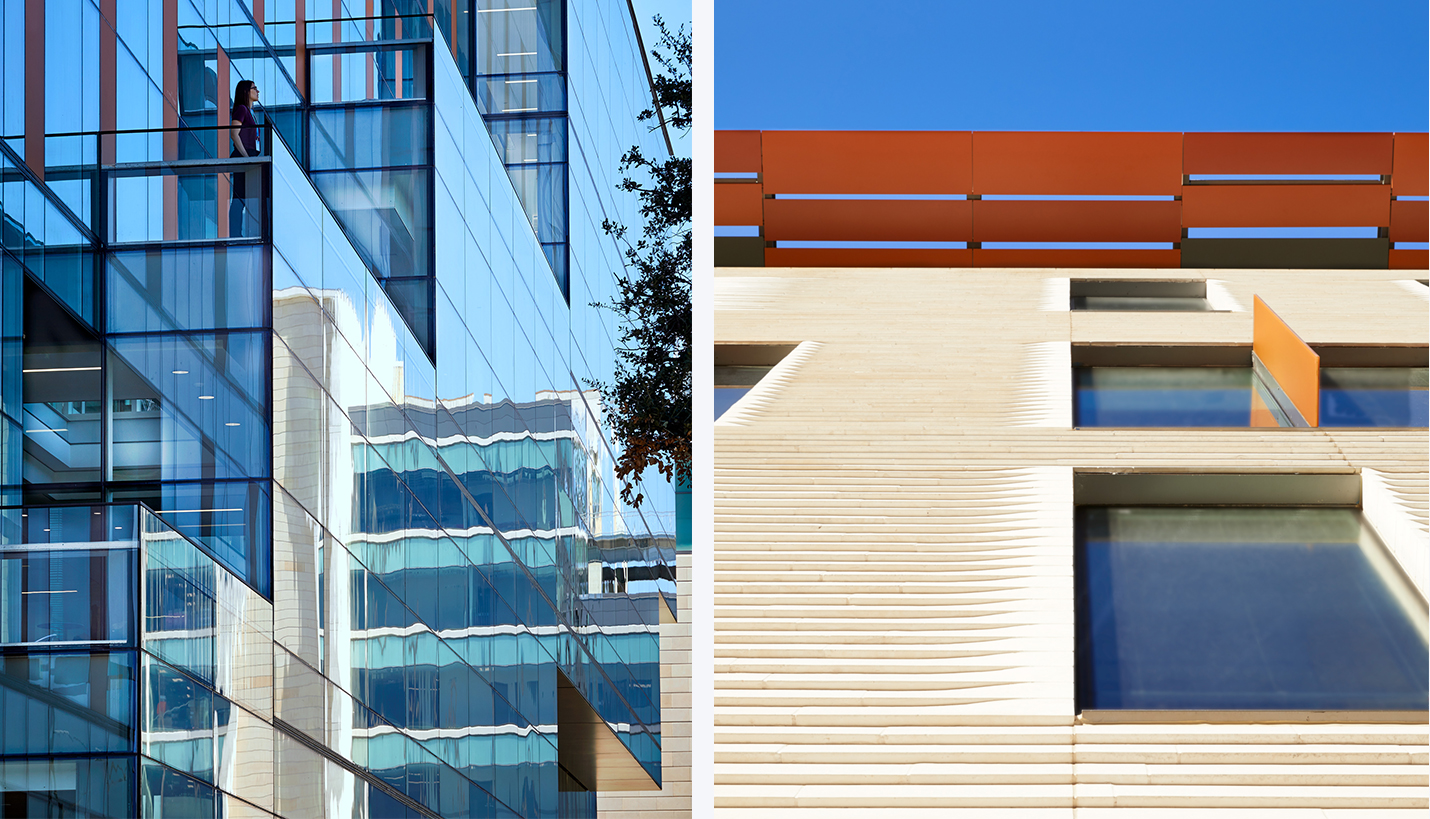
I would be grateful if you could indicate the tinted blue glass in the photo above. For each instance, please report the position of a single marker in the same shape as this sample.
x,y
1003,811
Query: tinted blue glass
x,y
725,398
1162,396
189,407
187,289
1374,397
101,788
67,703
368,137
386,213
1243,609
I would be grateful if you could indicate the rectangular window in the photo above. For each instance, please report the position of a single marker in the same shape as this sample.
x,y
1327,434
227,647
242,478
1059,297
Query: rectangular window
x,y
1139,296
1216,608
1213,386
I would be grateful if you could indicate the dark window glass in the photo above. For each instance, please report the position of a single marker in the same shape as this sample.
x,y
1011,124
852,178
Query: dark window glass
x,y
1374,397
1232,608
67,703
1162,396
1143,304
96,788
62,389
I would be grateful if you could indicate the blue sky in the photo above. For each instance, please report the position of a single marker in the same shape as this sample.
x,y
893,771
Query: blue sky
x,y
674,13
1107,65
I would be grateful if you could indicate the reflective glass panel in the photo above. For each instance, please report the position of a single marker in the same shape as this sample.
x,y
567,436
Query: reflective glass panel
x,y
99,788
1240,608
725,398
67,703
386,214
189,407
210,288
1375,397
1162,396
56,596
369,137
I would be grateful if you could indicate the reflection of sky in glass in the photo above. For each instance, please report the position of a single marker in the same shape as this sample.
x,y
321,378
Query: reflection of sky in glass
x,y
1374,397
1243,608
725,398
1163,396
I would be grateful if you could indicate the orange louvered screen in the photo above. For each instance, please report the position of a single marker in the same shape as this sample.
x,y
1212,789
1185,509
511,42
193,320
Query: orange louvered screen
x,y
1411,176
1278,154
739,204
1286,205
1007,162
737,152
868,220
866,162
1082,221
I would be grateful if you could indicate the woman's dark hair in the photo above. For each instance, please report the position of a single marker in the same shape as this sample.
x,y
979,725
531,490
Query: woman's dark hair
x,y
240,94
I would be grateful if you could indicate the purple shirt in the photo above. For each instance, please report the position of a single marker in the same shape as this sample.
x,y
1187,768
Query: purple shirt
x,y
248,129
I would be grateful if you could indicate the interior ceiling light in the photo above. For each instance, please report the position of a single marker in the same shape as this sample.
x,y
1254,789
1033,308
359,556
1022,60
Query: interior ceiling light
x,y
231,424
493,11
518,54
59,369
61,429
206,398
177,511
181,372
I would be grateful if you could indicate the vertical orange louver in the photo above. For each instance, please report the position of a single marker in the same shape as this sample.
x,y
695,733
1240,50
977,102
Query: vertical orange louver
x,y
1292,362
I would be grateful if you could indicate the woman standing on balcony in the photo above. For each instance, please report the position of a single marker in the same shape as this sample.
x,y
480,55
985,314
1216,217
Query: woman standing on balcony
x,y
243,133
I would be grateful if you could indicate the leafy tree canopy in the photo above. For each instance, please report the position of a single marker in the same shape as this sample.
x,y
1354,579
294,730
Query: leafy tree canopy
x,y
650,395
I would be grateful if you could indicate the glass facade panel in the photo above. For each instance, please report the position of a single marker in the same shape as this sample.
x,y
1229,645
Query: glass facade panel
x,y
1375,397
1238,608
386,213
100,787
369,137
217,288
1162,396
190,406
63,703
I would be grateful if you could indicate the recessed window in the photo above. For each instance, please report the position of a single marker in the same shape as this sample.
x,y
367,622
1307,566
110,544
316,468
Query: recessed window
x,y
1231,608
1139,296
1213,386
739,367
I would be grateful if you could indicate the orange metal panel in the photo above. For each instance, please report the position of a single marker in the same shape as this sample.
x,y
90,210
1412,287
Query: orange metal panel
x,y
918,162
1040,257
1286,153
869,220
1294,365
1409,221
739,204
861,257
1077,163
1024,221
1409,259
1286,206
1411,175
737,152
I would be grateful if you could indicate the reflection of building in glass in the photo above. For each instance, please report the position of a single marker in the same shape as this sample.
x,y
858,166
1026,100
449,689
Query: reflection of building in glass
x,y
302,484
1032,507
